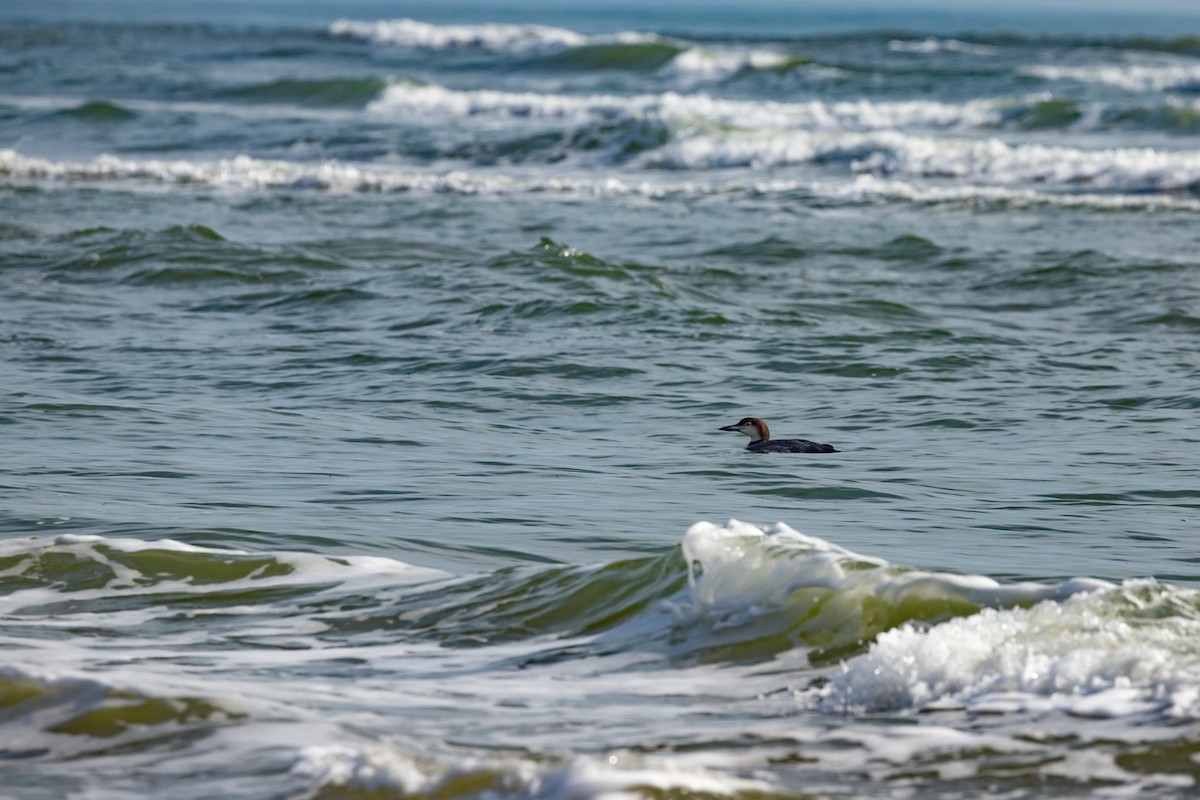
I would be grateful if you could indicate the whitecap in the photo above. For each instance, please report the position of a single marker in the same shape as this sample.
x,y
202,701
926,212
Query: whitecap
x,y
406,99
409,98
747,567
1115,652
894,153
932,44
713,64
381,767
1130,77
868,188
491,36
879,175
521,40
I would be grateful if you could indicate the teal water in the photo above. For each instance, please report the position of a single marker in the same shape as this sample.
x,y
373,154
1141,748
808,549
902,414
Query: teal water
x,y
363,372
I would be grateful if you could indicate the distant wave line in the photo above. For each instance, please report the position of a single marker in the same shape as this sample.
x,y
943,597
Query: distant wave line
x,y
244,173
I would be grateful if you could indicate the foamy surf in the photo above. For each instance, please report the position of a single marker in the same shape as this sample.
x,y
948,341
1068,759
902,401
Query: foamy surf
x,y
933,44
684,110
690,61
809,639
1083,647
1148,181
1127,651
1181,77
754,566
890,153
383,768
518,39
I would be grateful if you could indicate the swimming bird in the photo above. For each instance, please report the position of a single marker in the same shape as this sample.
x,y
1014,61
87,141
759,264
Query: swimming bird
x,y
761,441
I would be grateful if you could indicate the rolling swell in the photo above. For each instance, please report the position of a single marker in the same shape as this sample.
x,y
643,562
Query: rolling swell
x,y
97,111
734,592
80,718
352,92
739,594
861,165
638,56
182,257
574,284
676,112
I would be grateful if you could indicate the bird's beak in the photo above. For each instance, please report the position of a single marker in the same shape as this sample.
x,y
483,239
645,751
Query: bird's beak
x,y
728,428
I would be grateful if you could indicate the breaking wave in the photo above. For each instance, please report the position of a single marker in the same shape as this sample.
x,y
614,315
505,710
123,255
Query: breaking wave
x,y
728,617
518,39
888,167
1130,77
562,48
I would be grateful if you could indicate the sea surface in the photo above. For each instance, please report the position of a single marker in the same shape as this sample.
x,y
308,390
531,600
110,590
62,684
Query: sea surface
x,y
361,366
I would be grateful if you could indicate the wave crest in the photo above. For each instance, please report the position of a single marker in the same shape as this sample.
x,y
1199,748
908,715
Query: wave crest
x,y
492,36
1117,652
833,599
1130,77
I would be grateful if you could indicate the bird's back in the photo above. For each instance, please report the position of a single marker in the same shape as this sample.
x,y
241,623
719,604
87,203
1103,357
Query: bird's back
x,y
791,446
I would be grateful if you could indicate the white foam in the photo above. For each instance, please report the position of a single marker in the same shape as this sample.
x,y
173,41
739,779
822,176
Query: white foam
x,y
306,566
1100,654
246,173
375,707
1130,77
372,768
683,110
1083,646
383,768
712,64
1114,169
893,153
126,545
494,36
491,36
694,62
911,171
743,566
930,45
303,569
866,188
243,173
404,99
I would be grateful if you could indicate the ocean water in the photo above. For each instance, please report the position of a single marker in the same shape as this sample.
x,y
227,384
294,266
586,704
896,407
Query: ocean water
x,y
362,368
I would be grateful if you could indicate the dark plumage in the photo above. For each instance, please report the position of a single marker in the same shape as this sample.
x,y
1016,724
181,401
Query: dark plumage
x,y
761,441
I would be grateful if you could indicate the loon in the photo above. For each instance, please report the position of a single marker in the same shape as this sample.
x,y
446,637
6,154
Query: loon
x,y
761,441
